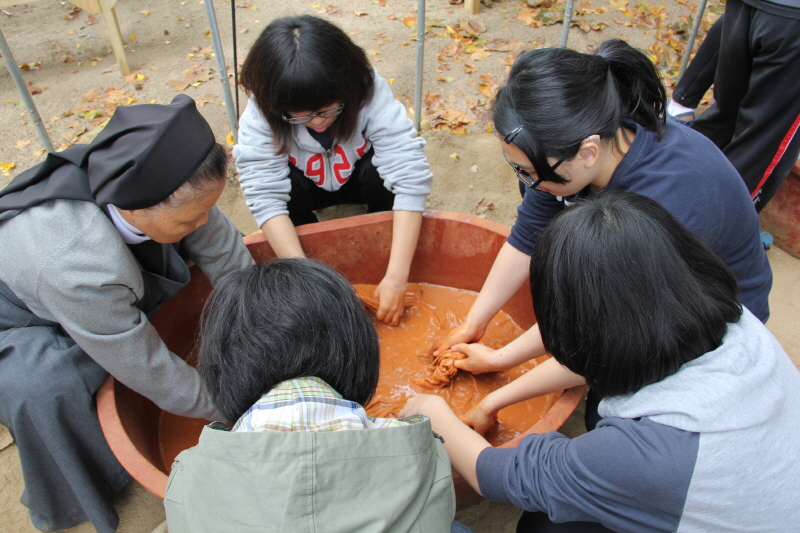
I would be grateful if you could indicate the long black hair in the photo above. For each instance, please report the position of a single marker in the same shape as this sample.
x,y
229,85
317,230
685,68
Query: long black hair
x,y
560,97
304,64
285,319
625,295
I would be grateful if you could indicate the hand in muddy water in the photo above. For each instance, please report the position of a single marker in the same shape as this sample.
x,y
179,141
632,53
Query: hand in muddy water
x,y
424,404
391,301
373,296
479,419
479,358
463,333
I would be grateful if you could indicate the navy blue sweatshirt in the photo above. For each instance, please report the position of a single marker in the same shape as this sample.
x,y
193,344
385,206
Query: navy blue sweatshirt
x,y
688,175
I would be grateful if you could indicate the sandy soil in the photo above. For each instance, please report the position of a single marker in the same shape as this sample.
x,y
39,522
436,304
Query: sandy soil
x,y
167,41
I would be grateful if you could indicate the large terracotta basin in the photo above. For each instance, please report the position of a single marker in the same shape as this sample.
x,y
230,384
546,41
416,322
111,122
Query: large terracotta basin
x,y
454,250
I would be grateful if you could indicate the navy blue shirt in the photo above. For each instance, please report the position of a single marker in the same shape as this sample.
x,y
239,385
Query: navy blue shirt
x,y
691,178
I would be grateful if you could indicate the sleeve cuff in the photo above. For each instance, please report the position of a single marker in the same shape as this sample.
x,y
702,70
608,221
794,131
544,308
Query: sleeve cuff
x,y
262,216
410,202
519,243
491,470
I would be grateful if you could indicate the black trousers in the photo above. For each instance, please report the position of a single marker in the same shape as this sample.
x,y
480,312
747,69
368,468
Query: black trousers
x,y
699,75
756,115
365,186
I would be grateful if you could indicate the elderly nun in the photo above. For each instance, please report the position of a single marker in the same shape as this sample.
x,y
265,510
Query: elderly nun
x,y
93,241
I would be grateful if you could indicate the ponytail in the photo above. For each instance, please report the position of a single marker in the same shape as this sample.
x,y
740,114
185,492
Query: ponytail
x,y
560,97
638,84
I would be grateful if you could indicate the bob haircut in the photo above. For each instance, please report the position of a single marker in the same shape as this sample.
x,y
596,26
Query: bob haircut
x,y
286,319
625,295
560,97
304,64
208,175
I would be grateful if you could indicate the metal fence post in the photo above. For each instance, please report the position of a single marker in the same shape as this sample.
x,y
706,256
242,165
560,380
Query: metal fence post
x,y
16,75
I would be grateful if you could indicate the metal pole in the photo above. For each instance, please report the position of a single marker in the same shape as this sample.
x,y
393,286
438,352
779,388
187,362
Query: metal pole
x,y
692,37
420,57
16,75
567,23
223,72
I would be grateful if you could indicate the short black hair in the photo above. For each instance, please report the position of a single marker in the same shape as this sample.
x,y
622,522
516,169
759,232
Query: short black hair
x,y
560,97
286,319
304,64
624,294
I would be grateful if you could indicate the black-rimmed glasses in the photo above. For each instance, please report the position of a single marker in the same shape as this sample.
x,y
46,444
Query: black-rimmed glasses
x,y
308,118
524,176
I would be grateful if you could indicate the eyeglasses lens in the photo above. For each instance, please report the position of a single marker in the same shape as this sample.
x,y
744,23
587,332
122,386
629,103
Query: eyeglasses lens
x,y
523,176
308,118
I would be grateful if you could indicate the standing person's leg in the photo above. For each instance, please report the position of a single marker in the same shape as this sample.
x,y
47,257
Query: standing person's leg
x,y
763,143
699,75
766,143
732,78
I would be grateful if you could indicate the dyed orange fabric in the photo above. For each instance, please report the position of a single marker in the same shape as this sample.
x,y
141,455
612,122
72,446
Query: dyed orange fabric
x,y
442,368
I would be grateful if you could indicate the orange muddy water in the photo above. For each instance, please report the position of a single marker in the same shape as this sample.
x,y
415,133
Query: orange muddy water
x,y
406,353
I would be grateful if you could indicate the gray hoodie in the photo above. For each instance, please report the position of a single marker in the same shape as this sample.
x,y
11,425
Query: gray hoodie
x,y
713,447
382,125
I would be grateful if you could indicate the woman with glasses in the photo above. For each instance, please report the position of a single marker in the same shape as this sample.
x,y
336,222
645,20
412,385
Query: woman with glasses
x,y
701,404
322,129
570,124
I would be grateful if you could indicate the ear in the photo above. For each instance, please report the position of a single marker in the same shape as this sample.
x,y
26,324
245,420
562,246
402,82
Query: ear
x,y
589,152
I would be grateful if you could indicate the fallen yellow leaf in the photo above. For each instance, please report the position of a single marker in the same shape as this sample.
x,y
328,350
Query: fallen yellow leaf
x,y
390,80
6,168
132,37
229,139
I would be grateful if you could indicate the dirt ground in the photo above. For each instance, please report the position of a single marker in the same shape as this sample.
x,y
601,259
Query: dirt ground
x,y
78,84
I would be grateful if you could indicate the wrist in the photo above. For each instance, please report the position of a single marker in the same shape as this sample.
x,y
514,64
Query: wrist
x,y
490,405
396,276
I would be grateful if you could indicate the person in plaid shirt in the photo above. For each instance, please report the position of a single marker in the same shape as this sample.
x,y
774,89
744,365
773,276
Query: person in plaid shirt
x,y
289,354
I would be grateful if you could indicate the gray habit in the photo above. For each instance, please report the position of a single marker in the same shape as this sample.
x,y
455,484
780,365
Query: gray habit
x,y
47,387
